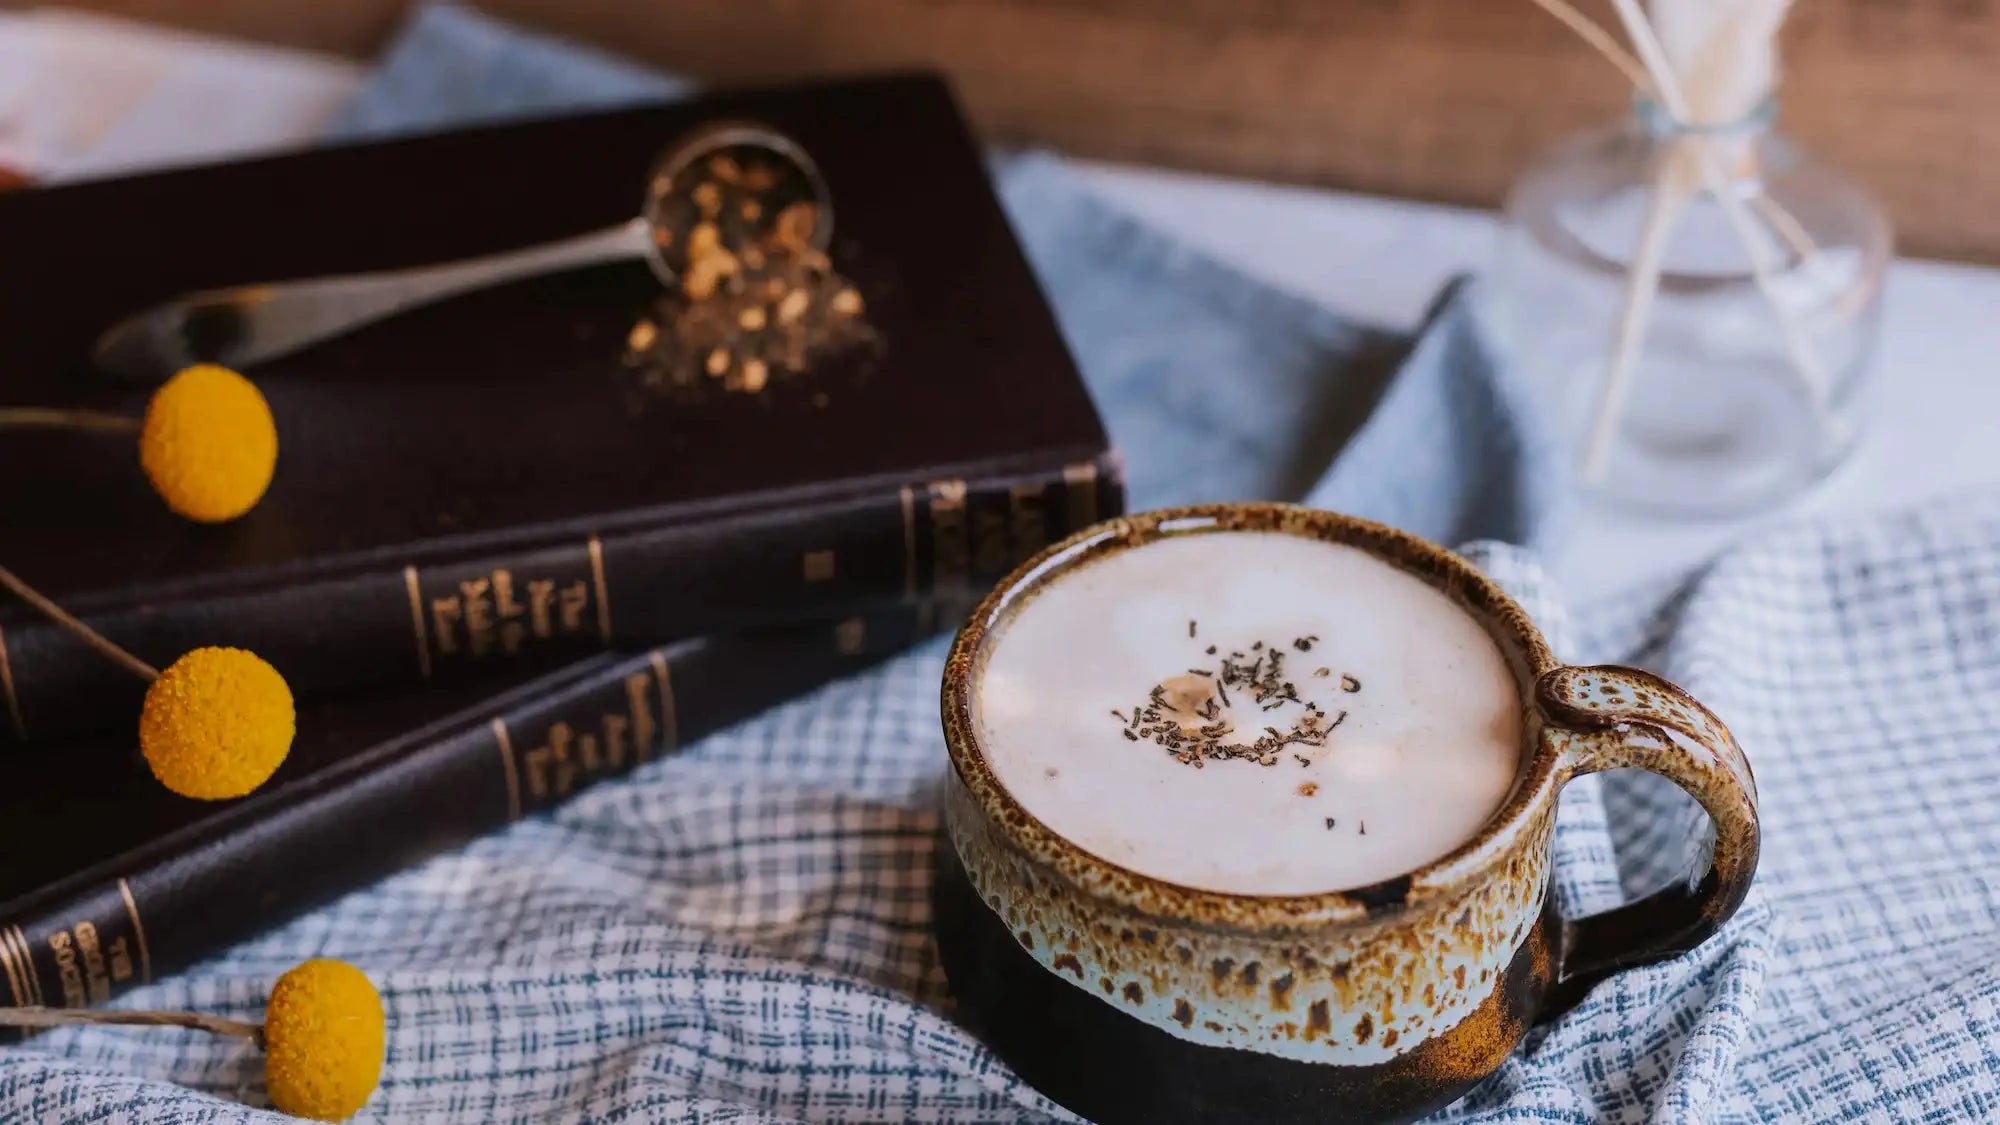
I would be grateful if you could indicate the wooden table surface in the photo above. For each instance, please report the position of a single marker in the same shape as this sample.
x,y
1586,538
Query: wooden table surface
x,y
1427,99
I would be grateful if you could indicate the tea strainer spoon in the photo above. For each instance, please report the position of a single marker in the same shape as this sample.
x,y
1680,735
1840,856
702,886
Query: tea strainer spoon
x,y
243,325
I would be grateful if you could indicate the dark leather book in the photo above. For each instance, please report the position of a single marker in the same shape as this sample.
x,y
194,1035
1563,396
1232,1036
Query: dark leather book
x,y
481,482
110,880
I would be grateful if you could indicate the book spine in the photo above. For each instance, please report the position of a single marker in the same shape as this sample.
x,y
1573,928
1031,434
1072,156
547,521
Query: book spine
x,y
931,542
391,805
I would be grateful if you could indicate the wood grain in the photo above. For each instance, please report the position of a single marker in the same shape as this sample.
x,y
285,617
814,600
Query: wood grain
x,y
348,27
1436,99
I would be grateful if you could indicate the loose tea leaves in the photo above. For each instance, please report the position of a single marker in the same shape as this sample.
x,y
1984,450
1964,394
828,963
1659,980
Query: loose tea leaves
x,y
1191,716
757,299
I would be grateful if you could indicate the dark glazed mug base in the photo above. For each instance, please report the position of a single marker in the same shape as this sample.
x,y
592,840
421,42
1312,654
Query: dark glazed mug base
x,y
1112,1068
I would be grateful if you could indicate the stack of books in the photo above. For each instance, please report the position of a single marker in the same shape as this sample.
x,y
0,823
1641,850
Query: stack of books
x,y
496,562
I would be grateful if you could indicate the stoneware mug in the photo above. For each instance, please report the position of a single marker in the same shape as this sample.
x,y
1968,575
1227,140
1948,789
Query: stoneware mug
x,y
1128,998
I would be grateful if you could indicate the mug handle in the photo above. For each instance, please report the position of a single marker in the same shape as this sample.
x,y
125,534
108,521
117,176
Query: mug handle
x,y
1613,718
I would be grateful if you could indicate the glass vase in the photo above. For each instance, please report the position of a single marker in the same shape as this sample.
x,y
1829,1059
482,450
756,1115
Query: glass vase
x,y
1735,379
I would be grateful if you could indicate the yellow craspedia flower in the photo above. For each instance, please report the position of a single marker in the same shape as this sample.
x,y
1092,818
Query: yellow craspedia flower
x,y
324,1035
216,724
209,444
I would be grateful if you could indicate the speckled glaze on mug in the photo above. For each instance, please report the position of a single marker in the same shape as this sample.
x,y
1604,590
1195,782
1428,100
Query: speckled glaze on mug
x,y
1128,998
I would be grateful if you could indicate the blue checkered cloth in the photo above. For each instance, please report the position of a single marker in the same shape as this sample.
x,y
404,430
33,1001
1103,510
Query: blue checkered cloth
x,y
740,933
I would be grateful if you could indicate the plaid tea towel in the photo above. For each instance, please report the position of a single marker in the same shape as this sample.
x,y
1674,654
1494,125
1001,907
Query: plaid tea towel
x,y
740,933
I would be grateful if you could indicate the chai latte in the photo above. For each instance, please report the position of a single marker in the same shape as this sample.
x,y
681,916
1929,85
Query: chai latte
x,y
1250,712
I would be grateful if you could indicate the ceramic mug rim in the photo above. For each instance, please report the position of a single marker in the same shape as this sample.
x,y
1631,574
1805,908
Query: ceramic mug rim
x,y
1537,774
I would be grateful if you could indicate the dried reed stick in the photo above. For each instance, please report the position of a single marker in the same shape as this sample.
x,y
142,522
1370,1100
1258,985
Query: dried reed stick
x,y
1664,206
1784,222
1797,238
1588,30
1667,81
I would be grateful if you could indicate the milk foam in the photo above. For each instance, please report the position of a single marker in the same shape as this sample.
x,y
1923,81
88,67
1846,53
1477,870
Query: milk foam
x,y
1425,752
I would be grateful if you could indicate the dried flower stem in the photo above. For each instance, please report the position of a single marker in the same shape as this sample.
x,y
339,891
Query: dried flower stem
x,y
68,1017
47,418
83,632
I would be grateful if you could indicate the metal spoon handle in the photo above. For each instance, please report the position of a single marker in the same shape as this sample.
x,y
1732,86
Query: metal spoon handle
x,y
245,324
